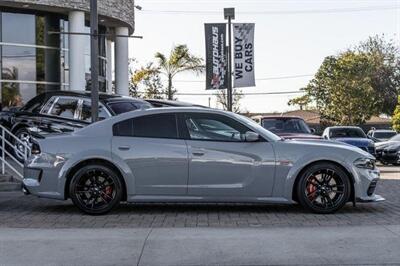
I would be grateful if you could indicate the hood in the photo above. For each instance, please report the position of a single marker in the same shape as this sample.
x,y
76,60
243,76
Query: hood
x,y
333,144
384,144
299,136
358,142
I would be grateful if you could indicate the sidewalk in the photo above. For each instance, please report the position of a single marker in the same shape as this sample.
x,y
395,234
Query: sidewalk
x,y
372,245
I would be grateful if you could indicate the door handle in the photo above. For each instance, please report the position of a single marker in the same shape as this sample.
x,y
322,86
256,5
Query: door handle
x,y
198,153
123,148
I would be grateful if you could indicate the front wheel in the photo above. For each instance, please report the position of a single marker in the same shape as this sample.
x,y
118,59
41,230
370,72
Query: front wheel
x,y
19,150
323,188
95,189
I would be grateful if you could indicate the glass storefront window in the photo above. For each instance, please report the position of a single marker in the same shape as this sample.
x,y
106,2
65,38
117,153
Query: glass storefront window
x,y
19,63
18,28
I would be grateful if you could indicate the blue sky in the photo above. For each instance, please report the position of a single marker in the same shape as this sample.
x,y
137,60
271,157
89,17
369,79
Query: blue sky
x,y
291,38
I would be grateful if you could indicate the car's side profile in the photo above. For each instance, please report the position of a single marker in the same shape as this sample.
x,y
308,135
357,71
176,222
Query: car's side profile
x,y
195,155
62,111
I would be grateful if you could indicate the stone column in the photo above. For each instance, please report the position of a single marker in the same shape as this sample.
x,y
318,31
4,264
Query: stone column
x,y
76,51
121,62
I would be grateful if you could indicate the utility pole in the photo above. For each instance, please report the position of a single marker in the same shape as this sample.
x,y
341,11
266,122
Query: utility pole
x,y
229,13
94,59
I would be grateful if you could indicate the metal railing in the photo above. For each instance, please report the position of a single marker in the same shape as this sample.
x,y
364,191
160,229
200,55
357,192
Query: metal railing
x,y
8,142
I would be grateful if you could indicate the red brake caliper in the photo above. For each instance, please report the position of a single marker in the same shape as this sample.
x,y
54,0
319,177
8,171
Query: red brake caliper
x,y
311,191
108,190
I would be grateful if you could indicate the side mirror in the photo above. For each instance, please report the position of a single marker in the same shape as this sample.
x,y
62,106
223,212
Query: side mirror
x,y
251,136
312,130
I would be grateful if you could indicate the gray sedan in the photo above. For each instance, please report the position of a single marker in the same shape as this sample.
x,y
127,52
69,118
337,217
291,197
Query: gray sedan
x,y
195,155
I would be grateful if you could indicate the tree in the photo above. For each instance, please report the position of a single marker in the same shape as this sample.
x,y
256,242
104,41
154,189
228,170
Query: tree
x,y
303,102
149,78
354,85
396,117
342,90
180,60
385,75
237,95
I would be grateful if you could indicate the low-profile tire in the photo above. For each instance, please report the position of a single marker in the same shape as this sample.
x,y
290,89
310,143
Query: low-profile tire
x,y
18,149
323,188
96,189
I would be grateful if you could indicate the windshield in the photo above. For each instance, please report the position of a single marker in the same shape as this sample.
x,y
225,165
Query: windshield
x,y
252,123
396,138
384,135
286,125
347,133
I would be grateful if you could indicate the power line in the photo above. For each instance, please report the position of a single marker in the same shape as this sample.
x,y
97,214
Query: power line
x,y
275,12
266,78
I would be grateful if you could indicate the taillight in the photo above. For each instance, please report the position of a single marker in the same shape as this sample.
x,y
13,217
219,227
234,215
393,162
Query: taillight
x,y
35,149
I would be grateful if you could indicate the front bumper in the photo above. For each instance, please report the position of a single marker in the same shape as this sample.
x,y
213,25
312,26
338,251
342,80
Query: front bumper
x,y
366,181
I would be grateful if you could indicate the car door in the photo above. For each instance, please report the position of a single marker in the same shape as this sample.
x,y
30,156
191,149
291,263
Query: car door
x,y
221,162
151,147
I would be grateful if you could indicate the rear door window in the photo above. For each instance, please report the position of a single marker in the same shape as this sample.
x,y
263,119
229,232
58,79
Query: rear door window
x,y
149,126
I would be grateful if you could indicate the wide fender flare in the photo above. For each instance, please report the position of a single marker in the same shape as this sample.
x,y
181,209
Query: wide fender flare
x,y
304,161
96,154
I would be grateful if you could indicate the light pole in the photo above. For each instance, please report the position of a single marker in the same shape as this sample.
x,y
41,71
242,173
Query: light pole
x,y
229,13
94,59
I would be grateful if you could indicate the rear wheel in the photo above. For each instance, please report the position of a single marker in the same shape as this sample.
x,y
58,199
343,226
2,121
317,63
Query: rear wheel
x,y
96,189
324,188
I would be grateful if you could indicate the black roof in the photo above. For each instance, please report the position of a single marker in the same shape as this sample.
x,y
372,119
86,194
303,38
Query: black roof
x,y
104,97
165,103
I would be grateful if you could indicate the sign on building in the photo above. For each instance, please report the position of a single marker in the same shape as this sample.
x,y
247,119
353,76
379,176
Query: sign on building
x,y
216,73
243,39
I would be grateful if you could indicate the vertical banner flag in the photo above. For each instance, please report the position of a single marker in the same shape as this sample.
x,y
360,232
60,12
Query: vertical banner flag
x,y
216,76
243,34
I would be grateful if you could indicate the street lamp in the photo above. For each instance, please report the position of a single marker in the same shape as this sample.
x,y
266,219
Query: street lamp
x,y
229,14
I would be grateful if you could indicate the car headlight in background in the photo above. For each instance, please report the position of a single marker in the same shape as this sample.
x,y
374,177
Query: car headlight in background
x,y
365,163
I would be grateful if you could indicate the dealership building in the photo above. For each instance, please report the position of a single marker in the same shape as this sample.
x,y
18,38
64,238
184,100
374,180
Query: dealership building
x,y
36,54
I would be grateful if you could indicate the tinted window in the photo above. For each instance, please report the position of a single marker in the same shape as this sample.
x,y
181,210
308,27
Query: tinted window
x,y
150,126
347,133
65,107
122,107
86,114
214,127
290,125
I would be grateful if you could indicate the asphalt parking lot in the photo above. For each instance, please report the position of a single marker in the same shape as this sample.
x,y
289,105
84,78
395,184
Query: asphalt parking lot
x,y
19,211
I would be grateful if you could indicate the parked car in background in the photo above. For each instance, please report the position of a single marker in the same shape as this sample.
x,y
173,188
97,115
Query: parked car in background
x,y
195,155
388,154
351,135
385,150
381,134
61,111
171,103
288,127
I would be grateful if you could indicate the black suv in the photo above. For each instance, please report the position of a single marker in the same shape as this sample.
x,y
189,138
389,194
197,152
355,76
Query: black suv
x,y
62,111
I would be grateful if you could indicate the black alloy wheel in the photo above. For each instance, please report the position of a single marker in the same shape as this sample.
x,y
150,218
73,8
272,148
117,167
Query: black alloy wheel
x,y
324,188
95,189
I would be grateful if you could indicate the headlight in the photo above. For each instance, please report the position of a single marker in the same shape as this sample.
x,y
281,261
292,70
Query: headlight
x,y
365,163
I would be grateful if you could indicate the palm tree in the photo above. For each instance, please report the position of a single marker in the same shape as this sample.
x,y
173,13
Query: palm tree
x,y
179,60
